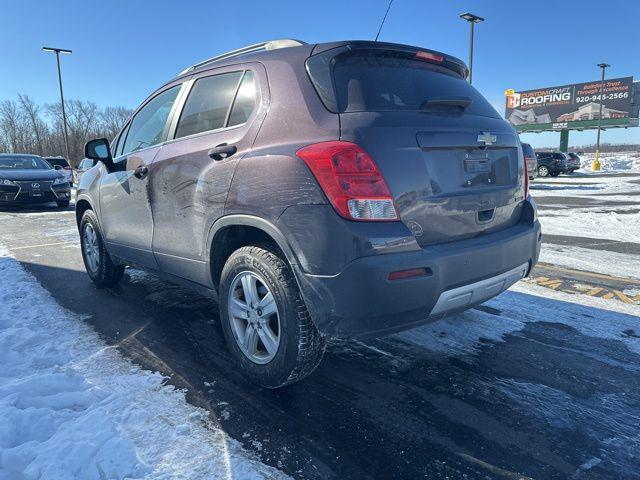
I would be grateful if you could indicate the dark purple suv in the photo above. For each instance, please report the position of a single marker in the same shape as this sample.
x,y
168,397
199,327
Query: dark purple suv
x,y
342,189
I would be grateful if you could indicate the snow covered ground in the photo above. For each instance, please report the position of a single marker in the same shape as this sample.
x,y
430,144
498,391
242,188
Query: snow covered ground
x,y
72,407
590,260
590,206
629,161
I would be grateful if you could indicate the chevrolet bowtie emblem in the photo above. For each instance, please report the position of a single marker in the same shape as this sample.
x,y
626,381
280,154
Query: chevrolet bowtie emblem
x,y
487,138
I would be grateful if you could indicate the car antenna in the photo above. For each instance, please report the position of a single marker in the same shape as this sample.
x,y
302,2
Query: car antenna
x,y
383,20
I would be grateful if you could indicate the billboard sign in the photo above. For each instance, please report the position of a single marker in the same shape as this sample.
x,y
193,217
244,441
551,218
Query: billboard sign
x,y
575,106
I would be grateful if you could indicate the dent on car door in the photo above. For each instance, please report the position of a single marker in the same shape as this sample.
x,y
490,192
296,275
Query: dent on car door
x,y
192,174
126,216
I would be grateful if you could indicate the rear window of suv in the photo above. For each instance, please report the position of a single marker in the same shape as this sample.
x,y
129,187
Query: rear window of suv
x,y
382,80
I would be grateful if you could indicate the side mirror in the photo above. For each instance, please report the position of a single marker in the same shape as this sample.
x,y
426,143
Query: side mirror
x,y
98,149
57,167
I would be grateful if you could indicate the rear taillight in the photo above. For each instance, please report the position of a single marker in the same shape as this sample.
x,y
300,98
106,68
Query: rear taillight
x,y
351,180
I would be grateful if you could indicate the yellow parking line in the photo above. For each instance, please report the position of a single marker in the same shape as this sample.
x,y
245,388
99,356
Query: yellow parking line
x,y
622,296
594,291
41,245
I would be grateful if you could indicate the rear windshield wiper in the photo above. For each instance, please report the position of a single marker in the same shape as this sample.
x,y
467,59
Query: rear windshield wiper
x,y
459,102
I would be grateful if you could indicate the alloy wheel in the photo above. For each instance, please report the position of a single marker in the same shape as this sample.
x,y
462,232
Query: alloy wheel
x,y
90,247
254,317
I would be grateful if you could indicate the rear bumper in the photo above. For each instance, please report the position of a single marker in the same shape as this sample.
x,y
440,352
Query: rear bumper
x,y
360,301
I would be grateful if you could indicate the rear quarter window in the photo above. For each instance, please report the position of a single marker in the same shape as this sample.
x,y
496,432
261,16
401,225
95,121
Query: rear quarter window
x,y
208,104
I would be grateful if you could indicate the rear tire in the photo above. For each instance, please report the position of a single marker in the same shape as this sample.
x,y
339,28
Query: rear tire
x,y
100,268
300,346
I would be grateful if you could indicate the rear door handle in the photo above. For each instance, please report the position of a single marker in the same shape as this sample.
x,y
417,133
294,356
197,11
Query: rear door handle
x,y
222,151
141,171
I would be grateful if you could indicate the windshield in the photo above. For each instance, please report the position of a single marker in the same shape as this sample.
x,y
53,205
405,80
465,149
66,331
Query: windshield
x,y
21,162
375,81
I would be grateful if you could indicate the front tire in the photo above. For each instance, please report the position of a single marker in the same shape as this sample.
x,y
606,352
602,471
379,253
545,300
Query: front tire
x,y
100,268
543,171
264,319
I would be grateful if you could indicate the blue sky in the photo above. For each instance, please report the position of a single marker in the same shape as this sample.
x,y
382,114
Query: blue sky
x,y
122,50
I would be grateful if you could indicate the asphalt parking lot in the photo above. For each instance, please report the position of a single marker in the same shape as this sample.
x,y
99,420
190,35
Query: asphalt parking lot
x,y
542,382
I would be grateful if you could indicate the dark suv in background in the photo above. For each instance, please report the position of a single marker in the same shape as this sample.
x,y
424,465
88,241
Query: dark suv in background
x,y
551,163
573,162
343,189
530,160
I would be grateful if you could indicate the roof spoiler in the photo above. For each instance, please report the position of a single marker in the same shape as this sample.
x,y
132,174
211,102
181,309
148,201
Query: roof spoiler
x,y
269,45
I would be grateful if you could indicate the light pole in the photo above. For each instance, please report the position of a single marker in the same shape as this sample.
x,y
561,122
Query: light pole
x,y
58,51
595,166
472,19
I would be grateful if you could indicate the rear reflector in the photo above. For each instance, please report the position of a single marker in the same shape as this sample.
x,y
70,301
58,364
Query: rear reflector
x,y
430,57
351,180
411,273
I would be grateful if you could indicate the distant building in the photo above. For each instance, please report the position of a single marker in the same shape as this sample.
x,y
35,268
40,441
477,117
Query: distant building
x,y
527,117
591,111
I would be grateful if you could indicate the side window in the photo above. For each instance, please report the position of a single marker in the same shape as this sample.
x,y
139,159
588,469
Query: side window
x,y
245,100
148,125
208,104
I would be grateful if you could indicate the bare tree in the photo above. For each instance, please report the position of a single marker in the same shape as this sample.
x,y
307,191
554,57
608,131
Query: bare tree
x,y
112,119
12,125
24,128
39,129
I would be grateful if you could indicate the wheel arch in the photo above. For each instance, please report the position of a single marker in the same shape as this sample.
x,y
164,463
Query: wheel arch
x,y
231,232
82,205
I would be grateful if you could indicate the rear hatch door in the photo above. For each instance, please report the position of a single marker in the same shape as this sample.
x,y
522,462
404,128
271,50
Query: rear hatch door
x,y
453,165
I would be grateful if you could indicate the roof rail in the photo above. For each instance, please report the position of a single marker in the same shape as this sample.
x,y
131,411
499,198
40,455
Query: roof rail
x,y
270,45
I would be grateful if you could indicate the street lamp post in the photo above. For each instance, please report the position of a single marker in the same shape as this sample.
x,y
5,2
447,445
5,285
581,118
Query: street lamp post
x,y
595,166
472,19
58,51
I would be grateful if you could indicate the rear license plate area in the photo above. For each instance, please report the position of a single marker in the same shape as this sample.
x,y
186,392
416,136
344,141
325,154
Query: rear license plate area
x,y
477,165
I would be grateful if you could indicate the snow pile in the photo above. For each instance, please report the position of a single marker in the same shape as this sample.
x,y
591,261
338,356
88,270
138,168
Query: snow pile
x,y
613,161
73,408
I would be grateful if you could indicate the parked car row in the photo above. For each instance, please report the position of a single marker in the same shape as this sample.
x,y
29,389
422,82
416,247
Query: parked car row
x,y
549,163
